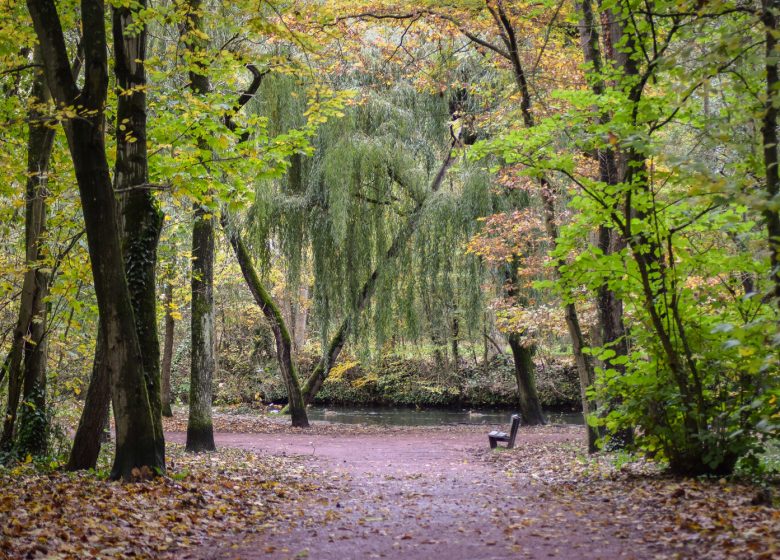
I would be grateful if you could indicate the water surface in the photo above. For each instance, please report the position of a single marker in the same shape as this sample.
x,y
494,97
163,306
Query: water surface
x,y
425,417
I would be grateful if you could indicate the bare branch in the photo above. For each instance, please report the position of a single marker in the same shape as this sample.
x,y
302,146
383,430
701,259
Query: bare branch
x,y
21,68
145,186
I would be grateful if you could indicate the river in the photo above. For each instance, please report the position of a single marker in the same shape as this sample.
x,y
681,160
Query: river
x,y
426,417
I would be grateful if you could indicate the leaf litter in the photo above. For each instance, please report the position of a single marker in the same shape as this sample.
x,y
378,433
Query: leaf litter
x,y
681,517
205,496
234,499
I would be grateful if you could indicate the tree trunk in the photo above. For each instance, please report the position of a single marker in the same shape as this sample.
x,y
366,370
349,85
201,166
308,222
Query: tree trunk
x,y
167,357
530,409
141,218
35,285
273,315
769,132
585,371
86,443
33,437
200,430
522,352
136,445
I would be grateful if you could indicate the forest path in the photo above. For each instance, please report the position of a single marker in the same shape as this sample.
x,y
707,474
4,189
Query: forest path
x,y
423,495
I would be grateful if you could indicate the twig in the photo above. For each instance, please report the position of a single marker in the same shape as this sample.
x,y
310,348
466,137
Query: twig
x,y
145,186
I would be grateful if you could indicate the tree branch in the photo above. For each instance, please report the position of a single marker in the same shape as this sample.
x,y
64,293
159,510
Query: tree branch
x,y
21,68
144,186
59,75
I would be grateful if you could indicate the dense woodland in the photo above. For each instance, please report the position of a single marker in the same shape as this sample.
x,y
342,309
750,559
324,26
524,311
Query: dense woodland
x,y
242,202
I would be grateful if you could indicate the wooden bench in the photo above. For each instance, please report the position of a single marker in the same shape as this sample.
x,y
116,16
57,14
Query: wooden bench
x,y
509,438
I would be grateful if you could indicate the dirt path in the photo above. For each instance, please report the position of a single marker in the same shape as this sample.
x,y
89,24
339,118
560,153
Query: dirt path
x,y
425,495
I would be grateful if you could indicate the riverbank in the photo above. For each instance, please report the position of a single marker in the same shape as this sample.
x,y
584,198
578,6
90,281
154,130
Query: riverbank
x,y
398,382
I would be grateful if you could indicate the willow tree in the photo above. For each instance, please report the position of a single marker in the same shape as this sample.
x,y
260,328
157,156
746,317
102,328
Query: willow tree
x,y
366,200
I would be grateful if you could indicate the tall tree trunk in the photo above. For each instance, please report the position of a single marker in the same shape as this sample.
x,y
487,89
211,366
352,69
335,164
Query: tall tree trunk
x,y
273,315
34,420
609,307
32,318
87,442
585,371
512,53
136,445
141,218
167,356
200,430
522,353
770,17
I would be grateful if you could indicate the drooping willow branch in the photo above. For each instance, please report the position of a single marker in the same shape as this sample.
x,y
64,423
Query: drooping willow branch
x,y
331,354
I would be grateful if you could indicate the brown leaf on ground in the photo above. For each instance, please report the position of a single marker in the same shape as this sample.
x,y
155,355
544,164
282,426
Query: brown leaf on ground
x,y
716,519
79,515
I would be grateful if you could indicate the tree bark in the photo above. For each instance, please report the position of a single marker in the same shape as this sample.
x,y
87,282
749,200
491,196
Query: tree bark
x,y
770,17
33,432
141,218
136,445
87,442
33,437
167,356
273,315
530,408
200,430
